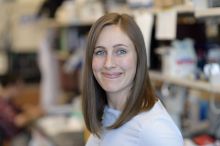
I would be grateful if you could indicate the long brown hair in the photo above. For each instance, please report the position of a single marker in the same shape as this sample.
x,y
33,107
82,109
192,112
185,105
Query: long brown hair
x,y
142,96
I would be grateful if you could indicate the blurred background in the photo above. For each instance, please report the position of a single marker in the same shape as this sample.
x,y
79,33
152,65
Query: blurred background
x,y
42,45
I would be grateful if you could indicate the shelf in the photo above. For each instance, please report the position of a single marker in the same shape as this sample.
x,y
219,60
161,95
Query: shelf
x,y
209,12
76,24
181,9
184,9
197,84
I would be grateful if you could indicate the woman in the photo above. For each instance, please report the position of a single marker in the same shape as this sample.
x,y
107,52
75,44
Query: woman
x,y
119,104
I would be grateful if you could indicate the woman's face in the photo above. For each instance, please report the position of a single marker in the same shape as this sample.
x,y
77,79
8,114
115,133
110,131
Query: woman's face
x,y
114,60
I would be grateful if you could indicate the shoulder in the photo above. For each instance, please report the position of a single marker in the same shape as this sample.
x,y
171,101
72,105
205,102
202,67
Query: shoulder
x,y
92,141
157,128
160,133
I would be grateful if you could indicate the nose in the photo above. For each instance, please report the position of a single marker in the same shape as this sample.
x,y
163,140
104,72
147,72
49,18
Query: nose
x,y
109,62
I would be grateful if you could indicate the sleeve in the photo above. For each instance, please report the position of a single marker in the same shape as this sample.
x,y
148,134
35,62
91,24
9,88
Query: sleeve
x,y
162,132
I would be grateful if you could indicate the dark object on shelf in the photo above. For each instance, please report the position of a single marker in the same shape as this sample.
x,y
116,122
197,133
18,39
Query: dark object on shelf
x,y
1,137
25,65
214,3
50,7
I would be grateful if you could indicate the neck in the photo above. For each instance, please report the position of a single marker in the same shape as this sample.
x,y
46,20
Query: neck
x,y
117,100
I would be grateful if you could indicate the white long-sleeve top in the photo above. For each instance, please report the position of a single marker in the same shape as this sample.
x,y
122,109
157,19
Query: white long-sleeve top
x,y
151,128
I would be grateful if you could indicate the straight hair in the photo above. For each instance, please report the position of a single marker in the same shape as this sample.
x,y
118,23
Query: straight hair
x,y
142,96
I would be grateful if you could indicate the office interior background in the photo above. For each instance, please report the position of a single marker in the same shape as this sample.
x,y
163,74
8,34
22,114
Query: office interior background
x,y
42,44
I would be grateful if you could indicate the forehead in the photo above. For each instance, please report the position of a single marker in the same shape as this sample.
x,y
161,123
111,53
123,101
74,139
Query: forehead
x,y
113,34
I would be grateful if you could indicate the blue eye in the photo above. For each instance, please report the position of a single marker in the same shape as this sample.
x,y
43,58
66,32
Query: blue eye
x,y
121,52
99,52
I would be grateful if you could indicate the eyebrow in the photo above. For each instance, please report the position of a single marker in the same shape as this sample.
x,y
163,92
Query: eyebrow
x,y
99,47
117,45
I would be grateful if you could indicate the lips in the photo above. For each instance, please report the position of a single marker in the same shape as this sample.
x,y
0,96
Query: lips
x,y
111,75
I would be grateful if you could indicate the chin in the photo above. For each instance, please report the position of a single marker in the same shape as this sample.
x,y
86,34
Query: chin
x,y
110,89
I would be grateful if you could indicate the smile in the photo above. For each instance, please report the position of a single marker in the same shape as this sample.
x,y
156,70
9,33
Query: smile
x,y
111,75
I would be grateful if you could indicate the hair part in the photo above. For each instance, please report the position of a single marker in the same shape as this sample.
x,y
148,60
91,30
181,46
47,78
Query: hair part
x,y
142,96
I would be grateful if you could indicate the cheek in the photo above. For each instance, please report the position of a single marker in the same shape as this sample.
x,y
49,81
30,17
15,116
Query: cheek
x,y
96,64
129,63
